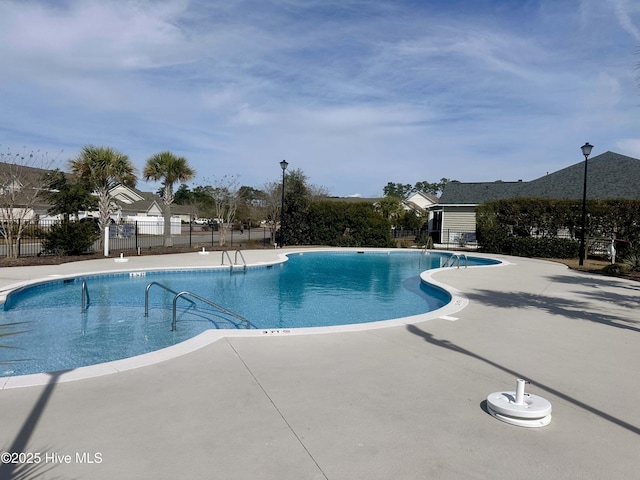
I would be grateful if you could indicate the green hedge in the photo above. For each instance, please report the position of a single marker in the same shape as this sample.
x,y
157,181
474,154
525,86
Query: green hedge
x,y
347,224
540,247
530,226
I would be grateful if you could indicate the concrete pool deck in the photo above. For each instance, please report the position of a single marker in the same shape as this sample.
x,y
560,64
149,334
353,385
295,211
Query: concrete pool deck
x,y
403,402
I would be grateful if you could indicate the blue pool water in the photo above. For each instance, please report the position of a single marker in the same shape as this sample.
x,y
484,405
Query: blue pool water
x,y
309,290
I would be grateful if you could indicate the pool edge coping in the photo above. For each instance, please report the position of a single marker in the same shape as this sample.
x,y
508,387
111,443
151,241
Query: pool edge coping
x,y
458,302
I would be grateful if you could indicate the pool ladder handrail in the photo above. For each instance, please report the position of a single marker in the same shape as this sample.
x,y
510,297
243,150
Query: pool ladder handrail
x,y
85,296
455,259
235,259
208,302
146,296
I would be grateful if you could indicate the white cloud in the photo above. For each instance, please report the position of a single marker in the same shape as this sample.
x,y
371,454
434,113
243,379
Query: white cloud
x,y
629,145
92,36
356,93
625,11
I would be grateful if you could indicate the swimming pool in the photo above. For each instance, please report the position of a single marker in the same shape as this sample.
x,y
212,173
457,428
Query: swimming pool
x,y
311,289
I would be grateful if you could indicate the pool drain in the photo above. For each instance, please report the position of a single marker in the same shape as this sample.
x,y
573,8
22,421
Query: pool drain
x,y
520,408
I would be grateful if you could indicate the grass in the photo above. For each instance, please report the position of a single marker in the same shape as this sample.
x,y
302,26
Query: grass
x,y
594,265
590,264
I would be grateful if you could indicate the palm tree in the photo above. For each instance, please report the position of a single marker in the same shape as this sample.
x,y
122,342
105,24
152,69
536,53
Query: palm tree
x,y
103,168
169,169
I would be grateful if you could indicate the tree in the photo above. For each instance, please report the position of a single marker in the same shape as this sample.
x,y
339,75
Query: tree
x,y
297,198
67,198
403,191
272,200
184,195
432,188
103,168
411,220
170,169
22,181
251,204
390,208
224,193
397,190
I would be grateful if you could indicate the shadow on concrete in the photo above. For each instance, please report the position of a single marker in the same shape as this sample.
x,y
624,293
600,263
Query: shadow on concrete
x,y
24,470
429,338
573,309
591,280
631,300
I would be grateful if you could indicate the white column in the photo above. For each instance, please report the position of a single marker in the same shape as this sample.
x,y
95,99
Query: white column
x,y
106,241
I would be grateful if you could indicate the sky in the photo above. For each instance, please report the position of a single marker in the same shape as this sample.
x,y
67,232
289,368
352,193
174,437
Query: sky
x,y
354,93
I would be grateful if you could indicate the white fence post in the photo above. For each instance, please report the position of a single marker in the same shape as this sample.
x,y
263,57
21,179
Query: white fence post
x,y
106,241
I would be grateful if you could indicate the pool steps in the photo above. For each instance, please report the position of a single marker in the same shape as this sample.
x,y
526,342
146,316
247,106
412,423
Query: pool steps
x,y
146,296
208,302
185,294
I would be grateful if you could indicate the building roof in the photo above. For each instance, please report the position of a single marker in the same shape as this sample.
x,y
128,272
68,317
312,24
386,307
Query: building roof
x,y
609,176
476,193
422,199
132,199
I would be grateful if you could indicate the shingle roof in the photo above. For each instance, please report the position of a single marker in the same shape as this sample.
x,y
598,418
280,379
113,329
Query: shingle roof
x,y
145,205
475,193
609,176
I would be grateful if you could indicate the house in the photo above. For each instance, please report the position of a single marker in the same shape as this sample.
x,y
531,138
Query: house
x,y
421,203
609,176
20,188
20,197
131,202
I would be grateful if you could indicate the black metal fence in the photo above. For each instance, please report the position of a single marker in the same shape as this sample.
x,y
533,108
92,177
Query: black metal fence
x,y
447,239
132,236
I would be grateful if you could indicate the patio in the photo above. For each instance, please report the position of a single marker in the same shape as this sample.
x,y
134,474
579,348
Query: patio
x,y
405,402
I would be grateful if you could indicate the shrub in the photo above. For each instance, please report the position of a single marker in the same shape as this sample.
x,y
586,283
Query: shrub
x,y
346,224
540,247
632,259
521,226
614,269
424,241
69,238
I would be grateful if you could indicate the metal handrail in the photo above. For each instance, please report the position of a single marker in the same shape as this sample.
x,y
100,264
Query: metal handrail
x,y
456,258
146,296
228,256
204,300
85,296
235,259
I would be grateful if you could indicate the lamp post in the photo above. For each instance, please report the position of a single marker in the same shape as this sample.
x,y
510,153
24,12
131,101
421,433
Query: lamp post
x,y
586,151
283,165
